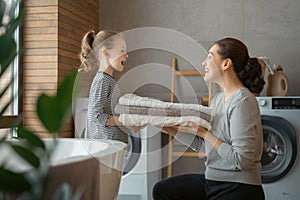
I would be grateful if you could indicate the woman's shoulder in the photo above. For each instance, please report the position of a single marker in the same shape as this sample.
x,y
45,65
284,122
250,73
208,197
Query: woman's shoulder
x,y
218,97
245,98
241,96
245,94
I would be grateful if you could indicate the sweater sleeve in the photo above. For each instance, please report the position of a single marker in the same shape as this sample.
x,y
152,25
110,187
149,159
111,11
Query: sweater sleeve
x,y
241,151
189,140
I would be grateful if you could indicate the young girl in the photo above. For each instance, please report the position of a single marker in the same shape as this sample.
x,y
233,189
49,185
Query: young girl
x,y
105,51
234,145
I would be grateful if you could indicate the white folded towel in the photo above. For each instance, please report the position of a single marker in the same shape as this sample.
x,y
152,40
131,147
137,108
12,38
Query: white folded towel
x,y
163,121
135,100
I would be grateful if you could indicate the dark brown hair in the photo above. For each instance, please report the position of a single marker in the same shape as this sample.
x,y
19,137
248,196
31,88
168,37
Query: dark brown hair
x,y
248,69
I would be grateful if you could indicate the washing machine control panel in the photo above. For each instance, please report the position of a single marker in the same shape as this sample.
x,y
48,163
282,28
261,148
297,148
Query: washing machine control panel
x,y
285,103
279,103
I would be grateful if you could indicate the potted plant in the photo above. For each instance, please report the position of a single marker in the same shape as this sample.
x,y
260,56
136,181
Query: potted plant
x,y
51,110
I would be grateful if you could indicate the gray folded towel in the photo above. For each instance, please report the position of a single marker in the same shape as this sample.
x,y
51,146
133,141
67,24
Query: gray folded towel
x,y
176,112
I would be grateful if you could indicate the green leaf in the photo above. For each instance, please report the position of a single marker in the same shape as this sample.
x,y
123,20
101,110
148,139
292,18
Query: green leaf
x,y
2,91
28,155
6,63
53,110
12,182
65,92
4,108
2,10
8,45
47,110
32,138
13,24
2,140
13,8
7,50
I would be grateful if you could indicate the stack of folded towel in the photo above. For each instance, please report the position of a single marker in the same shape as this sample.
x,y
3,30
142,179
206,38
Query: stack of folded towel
x,y
141,111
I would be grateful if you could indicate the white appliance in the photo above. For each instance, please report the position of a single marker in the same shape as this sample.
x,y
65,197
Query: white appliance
x,y
142,163
280,161
137,184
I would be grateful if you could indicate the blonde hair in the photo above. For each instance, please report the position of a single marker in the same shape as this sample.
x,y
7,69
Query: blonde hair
x,y
91,44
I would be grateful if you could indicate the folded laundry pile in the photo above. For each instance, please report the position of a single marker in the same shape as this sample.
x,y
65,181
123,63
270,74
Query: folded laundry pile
x,y
135,110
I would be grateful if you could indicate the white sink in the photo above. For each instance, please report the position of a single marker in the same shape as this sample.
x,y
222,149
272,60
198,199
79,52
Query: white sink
x,y
94,165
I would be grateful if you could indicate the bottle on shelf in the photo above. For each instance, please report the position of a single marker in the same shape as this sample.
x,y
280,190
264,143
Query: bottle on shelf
x,y
277,83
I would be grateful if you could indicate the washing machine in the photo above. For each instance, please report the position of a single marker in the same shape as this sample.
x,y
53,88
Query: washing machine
x,y
280,160
137,184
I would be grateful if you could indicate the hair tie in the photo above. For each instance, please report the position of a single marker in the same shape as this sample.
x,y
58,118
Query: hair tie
x,y
91,38
249,60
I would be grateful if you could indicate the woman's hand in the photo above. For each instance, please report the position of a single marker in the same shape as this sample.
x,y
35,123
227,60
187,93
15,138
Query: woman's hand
x,y
169,130
135,128
193,128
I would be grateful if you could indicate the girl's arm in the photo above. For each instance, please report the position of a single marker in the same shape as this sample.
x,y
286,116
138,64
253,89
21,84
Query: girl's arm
x,y
113,121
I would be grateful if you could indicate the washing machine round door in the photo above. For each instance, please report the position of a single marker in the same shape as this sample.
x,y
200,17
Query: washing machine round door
x,y
280,148
132,153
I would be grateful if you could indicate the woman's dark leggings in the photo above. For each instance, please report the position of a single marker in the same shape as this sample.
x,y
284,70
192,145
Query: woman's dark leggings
x,y
195,186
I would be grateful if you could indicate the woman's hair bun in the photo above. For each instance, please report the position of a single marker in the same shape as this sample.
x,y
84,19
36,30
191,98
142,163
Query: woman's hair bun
x,y
252,76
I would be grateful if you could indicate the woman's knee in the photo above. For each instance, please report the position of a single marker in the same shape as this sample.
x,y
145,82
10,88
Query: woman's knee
x,y
158,191
189,186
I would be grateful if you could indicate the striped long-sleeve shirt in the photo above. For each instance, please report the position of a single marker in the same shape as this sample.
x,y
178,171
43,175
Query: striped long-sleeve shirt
x,y
103,97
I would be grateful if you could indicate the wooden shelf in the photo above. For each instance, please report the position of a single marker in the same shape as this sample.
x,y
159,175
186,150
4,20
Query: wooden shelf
x,y
188,154
205,100
190,73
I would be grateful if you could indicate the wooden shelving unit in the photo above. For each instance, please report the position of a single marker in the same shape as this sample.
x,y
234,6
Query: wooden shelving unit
x,y
207,99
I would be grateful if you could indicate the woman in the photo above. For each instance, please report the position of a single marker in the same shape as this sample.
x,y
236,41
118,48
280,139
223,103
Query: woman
x,y
234,144
105,51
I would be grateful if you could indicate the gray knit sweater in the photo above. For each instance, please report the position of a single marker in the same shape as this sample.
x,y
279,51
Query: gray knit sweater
x,y
237,123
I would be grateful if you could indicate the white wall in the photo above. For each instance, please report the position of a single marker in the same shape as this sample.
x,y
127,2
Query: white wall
x,y
269,27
